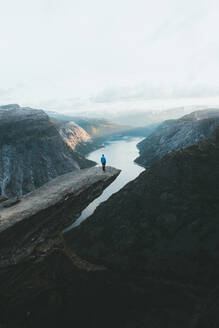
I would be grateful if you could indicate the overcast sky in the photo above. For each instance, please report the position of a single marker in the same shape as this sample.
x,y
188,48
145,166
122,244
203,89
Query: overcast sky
x,y
53,53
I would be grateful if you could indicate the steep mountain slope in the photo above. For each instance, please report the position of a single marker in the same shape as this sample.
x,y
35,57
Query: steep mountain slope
x,y
99,131
100,127
159,234
176,134
165,223
95,127
30,232
164,227
31,151
73,134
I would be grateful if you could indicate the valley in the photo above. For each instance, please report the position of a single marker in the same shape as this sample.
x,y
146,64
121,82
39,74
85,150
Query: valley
x,y
120,154
140,246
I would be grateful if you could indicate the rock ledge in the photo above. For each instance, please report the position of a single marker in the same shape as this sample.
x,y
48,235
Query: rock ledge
x,y
41,215
53,192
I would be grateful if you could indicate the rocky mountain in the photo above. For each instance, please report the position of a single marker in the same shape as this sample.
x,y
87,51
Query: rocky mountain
x,y
35,264
93,132
169,213
95,127
32,152
73,134
147,257
173,135
100,127
164,225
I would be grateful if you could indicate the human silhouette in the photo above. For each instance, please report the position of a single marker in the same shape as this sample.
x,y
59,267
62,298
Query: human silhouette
x,y
103,161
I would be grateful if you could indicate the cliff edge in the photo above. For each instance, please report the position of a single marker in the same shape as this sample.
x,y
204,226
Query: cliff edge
x,y
43,213
32,152
173,135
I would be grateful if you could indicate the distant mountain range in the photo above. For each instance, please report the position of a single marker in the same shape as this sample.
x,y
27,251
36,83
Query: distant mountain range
x,y
173,135
93,126
149,117
95,131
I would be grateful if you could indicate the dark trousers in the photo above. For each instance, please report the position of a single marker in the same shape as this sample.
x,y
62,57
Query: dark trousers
x,y
103,166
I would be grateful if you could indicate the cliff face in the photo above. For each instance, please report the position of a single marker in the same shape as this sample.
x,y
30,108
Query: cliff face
x,y
42,283
165,223
160,236
73,134
100,127
176,134
43,213
31,151
164,227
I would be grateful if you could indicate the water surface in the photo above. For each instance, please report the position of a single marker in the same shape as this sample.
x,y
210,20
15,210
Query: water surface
x,y
119,154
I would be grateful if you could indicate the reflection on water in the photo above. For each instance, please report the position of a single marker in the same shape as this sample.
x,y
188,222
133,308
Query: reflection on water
x,y
119,154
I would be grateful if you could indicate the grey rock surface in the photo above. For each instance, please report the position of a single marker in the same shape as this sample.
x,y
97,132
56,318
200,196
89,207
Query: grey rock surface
x,y
42,214
173,135
53,192
32,151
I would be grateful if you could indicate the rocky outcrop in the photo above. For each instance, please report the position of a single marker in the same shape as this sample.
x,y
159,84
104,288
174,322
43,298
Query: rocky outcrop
x,y
173,135
31,151
40,278
73,134
43,213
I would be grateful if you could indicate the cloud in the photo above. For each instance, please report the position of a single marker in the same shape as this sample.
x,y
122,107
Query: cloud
x,y
107,51
143,92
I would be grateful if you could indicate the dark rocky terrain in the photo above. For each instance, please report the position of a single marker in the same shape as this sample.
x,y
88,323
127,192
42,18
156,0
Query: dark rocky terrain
x,y
41,280
164,225
175,200
173,135
32,152
147,257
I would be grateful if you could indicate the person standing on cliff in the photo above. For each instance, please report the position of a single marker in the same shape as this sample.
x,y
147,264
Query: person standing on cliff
x,y
103,161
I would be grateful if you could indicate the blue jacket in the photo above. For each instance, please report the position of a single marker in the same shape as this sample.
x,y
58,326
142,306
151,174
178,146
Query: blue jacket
x,y
103,160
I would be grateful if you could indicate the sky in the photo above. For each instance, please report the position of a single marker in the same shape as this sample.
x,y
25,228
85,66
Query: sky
x,y
91,56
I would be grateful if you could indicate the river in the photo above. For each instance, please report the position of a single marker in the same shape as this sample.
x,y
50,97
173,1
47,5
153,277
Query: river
x,y
119,154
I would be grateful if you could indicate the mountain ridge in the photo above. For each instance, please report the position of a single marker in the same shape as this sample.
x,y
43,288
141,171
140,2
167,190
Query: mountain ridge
x,y
158,222
172,135
31,151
